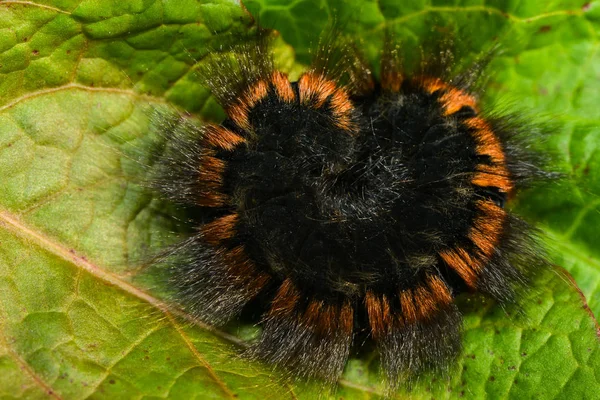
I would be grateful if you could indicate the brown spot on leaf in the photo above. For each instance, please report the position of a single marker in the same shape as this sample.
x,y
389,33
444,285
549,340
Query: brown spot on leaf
x,y
586,170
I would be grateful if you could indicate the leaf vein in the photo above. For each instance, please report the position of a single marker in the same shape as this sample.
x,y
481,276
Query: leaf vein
x,y
201,360
77,86
27,368
31,3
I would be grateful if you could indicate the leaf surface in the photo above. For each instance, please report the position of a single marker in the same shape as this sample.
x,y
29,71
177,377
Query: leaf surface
x,y
75,80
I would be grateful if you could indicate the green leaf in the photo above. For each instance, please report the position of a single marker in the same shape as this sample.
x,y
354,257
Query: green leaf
x,y
75,80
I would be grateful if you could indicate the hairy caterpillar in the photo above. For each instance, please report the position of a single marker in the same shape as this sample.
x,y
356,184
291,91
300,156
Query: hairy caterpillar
x,y
348,205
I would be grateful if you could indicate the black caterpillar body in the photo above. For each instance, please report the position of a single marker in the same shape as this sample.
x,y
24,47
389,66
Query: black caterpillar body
x,y
352,204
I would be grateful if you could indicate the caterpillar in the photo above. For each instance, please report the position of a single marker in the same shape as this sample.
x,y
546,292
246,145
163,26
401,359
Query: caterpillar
x,y
349,204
